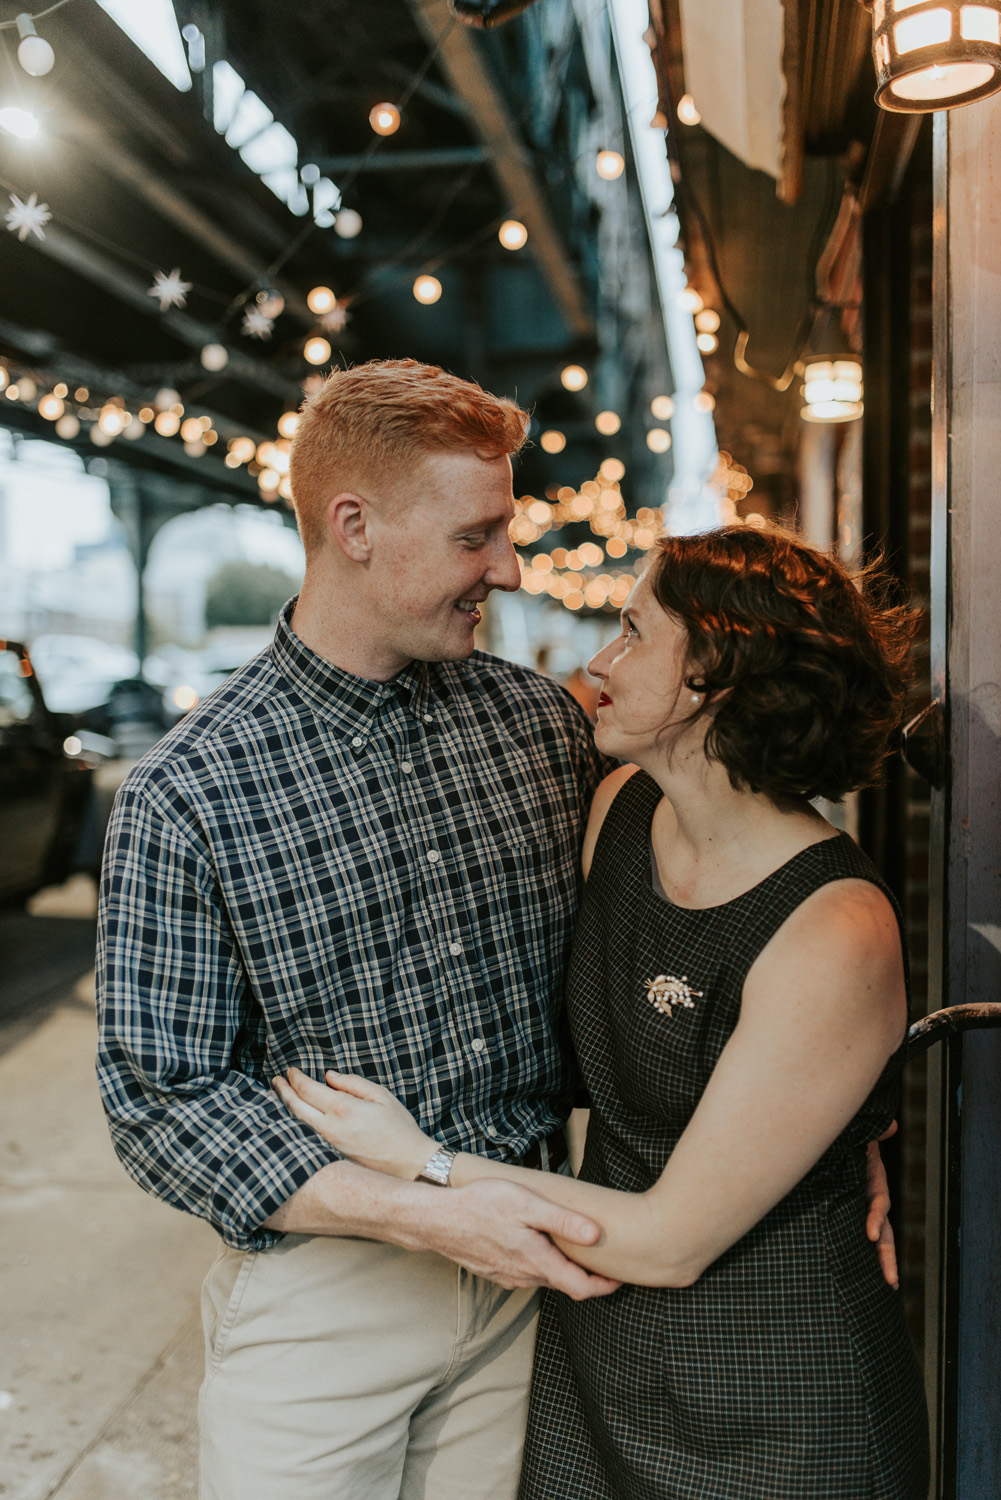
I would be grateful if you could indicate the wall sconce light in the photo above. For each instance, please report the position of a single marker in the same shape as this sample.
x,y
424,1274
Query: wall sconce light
x,y
935,54
832,390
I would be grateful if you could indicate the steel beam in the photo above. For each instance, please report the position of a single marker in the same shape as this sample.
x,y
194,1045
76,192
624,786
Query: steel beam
x,y
154,190
491,120
404,161
107,274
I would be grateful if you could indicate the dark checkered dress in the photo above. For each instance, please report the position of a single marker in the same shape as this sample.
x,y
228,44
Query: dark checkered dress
x,y
785,1372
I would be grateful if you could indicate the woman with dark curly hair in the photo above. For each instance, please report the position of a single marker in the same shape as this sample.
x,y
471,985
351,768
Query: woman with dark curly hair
x,y
738,1002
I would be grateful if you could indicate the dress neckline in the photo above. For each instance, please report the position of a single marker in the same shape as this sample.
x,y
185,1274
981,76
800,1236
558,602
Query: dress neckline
x,y
655,886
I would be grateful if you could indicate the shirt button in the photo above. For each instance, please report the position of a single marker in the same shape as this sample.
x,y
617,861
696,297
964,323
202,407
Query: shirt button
x,y
429,718
455,949
492,1130
478,1044
433,856
357,742
406,767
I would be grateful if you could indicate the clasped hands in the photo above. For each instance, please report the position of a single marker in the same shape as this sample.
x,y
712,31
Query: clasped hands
x,y
362,1120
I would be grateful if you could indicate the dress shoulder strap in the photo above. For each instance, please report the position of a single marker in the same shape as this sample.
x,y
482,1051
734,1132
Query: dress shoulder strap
x,y
625,830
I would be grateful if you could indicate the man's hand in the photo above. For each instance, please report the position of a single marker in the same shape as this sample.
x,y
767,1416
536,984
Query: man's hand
x,y
877,1224
501,1231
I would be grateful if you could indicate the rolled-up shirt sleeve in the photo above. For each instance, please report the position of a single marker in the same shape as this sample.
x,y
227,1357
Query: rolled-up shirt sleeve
x,y
192,1123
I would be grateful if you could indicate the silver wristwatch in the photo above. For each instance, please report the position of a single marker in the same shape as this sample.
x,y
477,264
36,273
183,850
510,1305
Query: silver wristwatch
x,y
438,1167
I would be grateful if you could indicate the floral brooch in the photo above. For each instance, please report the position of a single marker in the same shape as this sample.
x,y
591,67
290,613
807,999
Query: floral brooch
x,y
667,992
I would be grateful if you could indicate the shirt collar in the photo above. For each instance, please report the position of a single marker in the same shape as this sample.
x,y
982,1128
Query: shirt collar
x,y
351,704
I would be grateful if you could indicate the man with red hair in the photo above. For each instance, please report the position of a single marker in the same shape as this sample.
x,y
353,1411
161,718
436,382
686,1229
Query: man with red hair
x,y
360,853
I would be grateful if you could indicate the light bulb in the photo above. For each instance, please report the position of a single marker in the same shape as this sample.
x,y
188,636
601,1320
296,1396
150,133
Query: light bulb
x,y
50,407
68,426
167,423
320,300
215,357
687,113
552,441
689,300
573,377
384,119
706,342
427,289
662,407
111,420
36,56
19,122
707,321
658,440
287,423
607,423
165,398
4,377
512,234
610,165
34,53
347,223
191,430
612,469
317,351
704,401
243,449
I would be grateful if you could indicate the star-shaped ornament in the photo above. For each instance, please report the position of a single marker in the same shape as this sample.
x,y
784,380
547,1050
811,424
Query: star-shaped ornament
x,y
257,324
170,291
27,218
337,319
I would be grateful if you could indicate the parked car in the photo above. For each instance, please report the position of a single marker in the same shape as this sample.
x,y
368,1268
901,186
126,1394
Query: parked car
x,y
48,806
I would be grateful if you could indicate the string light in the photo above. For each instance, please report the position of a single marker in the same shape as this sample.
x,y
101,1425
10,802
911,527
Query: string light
x,y
658,440
33,53
608,423
707,321
68,426
287,423
51,407
704,401
706,342
347,223
4,377
167,423
512,234
613,469
317,351
321,300
384,119
214,357
689,300
610,164
427,289
662,407
687,113
573,377
552,441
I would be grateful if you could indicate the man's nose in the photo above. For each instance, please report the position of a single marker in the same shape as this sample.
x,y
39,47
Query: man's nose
x,y
504,572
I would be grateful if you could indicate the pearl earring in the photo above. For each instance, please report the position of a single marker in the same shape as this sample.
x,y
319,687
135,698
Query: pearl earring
x,y
696,697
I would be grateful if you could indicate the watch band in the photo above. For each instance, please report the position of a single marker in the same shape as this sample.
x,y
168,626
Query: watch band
x,y
438,1167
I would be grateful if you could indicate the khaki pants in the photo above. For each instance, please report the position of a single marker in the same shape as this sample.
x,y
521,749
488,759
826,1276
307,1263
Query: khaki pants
x,y
340,1369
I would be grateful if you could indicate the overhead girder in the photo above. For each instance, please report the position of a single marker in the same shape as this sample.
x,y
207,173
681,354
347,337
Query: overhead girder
x,y
490,119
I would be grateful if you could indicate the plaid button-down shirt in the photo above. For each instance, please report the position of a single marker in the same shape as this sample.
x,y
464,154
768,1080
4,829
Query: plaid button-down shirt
x,y
319,870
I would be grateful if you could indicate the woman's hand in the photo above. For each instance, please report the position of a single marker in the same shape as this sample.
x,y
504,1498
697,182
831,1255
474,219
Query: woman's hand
x,y
362,1120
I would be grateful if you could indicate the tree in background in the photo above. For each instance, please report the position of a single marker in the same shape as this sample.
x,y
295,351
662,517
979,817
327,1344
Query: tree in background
x,y
246,593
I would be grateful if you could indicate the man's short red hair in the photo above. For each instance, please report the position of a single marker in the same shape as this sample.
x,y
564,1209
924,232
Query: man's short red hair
x,y
381,418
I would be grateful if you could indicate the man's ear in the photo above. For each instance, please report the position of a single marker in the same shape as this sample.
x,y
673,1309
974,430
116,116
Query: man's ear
x,y
349,524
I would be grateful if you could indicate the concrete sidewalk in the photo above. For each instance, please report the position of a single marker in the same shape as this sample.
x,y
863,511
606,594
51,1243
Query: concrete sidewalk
x,y
101,1352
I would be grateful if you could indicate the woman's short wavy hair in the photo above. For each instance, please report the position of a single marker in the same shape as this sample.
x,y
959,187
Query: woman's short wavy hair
x,y
811,662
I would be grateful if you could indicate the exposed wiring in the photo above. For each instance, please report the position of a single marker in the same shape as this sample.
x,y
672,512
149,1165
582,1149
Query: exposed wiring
x,y
39,15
